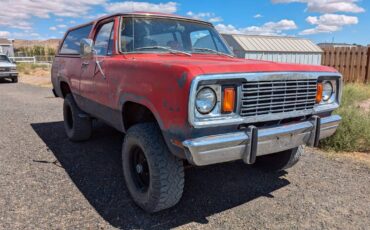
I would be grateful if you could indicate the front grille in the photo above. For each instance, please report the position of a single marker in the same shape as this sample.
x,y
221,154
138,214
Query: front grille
x,y
4,69
277,96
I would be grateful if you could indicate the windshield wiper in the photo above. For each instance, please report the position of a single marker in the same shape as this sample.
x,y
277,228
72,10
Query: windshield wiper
x,y
213,51
164,48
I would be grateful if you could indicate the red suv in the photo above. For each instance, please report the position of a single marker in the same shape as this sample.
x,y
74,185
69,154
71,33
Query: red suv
x,y
173,86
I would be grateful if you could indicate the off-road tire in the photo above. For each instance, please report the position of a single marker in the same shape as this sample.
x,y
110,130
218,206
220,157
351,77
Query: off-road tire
x,y
279,161
15,79
77,124
166,172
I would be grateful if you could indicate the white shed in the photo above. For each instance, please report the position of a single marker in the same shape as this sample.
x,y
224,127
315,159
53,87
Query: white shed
x,y
6,47
274,48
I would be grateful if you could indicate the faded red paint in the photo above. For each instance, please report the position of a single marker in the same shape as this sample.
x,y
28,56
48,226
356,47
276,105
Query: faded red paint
x,y
161,82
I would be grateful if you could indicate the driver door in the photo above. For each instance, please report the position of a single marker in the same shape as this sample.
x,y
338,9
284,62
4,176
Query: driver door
x,y
94,70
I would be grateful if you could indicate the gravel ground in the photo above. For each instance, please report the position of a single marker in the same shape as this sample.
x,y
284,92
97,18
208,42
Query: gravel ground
x,y
48,182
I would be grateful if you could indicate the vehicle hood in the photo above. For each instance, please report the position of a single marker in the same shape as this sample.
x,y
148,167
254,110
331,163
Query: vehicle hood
x,y
7,64
216,64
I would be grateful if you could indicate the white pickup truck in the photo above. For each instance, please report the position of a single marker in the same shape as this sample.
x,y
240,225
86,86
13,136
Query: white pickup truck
x,y
8,69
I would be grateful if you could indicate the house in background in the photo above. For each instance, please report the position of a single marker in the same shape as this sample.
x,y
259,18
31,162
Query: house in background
x,y
275,48
6,47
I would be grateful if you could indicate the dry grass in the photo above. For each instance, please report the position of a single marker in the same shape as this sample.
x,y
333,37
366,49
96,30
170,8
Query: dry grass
x,y
35,74
356,157
353,134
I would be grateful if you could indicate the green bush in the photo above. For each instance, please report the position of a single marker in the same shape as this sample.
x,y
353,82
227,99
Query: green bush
x,y
353,133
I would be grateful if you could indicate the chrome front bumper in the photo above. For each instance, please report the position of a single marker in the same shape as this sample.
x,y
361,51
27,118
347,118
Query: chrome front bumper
x,y
248,144
8,74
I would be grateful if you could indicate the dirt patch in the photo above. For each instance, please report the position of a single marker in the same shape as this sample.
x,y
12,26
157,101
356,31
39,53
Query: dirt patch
x,y
38,76
355,157
365,105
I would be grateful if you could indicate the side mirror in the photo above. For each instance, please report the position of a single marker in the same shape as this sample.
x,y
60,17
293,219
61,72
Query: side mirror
x,y
86,48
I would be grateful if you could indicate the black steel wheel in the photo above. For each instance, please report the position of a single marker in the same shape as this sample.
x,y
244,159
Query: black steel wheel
x,y
139,169
154,177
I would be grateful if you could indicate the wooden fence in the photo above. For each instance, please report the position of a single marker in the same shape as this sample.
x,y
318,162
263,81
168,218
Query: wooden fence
x,y
352,62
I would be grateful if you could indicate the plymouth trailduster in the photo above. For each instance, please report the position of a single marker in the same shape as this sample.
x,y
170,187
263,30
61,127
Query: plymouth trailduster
x,y
173,86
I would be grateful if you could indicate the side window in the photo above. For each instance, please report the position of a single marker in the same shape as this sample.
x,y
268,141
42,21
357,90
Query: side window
x,y
104,40
220,45
202,39
71,44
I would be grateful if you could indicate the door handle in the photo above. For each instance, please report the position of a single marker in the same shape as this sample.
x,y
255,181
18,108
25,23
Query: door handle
x,y
100,69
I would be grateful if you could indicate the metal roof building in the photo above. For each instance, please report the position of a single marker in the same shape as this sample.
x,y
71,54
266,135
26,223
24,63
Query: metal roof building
x,y
6,47
274,48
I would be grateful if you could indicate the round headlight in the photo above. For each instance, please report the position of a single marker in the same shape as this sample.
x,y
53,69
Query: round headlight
x,y
205,100
327,91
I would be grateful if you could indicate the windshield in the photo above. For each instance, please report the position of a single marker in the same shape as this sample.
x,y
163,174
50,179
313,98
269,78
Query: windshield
x,y
4,58
155,35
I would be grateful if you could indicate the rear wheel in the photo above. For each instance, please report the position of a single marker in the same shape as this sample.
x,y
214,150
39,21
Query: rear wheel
x,y
154,177
77,124
279,161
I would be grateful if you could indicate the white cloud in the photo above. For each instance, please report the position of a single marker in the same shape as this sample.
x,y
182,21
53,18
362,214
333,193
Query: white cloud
x,y
129,6
53,28
4,34
205,16
269,28
62,26
215,19
72,22
328,23
26,35
18,13
258,16
59,19
328,6
228,29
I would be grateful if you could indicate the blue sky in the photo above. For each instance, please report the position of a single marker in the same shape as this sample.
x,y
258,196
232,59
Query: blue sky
x,y
319,20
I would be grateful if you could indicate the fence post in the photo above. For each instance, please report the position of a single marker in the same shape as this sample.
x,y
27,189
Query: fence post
x,y
367,76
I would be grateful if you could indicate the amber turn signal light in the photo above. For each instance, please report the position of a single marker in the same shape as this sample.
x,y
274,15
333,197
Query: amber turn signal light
x,y
228,102
319,93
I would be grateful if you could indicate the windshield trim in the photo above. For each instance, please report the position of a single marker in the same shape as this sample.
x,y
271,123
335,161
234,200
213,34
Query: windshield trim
x,y
132,16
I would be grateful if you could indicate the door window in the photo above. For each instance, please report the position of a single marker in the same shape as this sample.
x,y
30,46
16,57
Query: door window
x,y
104,40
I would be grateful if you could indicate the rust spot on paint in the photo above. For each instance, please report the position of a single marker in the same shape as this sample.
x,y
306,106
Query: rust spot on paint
x,y
181,81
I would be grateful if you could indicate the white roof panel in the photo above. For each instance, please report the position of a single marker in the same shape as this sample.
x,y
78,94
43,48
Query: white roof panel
x,y
275,44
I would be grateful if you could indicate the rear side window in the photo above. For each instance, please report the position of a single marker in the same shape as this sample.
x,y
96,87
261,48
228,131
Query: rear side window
x,y
71,44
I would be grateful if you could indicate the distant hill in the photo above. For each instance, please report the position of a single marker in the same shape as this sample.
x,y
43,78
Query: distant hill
x,y
52,43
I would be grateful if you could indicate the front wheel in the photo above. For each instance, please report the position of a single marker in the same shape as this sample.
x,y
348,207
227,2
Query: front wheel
x,y
15,79
279,161
154,177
